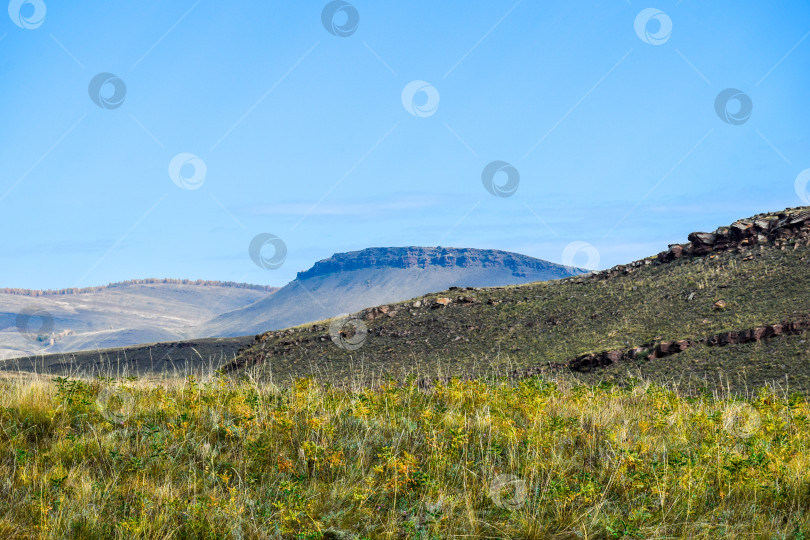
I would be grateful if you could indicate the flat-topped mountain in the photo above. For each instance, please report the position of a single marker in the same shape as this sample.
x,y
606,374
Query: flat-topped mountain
x,y
423,257
347,282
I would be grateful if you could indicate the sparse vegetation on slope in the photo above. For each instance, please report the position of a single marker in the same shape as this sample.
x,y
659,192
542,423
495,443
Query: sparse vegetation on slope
x,y
85,459
739,285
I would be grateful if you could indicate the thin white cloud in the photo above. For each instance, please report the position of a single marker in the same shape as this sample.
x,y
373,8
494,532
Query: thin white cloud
x,y
357,208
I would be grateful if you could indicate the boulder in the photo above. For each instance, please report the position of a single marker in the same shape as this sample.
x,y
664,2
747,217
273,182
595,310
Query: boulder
x,y
762,224
801,217
761,332
742,229
702,238
683,344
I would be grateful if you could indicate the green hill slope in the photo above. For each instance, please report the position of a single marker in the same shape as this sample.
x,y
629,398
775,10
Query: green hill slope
x,y
752,273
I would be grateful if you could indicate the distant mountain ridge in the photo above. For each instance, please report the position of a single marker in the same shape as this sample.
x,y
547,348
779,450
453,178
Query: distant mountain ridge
x,y
115,315
146,281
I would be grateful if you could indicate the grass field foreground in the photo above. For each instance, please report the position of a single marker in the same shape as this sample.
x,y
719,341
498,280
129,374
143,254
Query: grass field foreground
x,y
534,459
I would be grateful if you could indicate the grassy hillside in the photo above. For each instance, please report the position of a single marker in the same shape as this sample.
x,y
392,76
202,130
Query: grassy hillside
x,y
259,453
484,330
136,460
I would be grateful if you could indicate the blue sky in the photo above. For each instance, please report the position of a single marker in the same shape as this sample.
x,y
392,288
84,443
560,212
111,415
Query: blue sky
x,y
304,135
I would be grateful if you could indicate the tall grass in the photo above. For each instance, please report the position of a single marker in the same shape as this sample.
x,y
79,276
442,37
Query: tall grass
x,y
83,458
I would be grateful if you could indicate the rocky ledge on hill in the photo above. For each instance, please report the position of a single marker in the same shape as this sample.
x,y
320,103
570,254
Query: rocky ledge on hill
x,y
783,230
594,361
422,257
587,362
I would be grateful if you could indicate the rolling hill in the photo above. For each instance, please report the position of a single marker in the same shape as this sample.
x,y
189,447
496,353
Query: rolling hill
x,y
701,296
115,315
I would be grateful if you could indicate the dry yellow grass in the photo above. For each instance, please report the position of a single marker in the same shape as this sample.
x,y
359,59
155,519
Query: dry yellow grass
x,y
218,459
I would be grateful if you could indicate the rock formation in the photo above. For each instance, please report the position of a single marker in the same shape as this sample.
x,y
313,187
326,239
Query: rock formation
x,y
782,230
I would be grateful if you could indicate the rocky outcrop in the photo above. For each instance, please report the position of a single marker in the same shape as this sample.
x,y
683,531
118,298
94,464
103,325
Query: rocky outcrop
x,y
774,228
781,230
